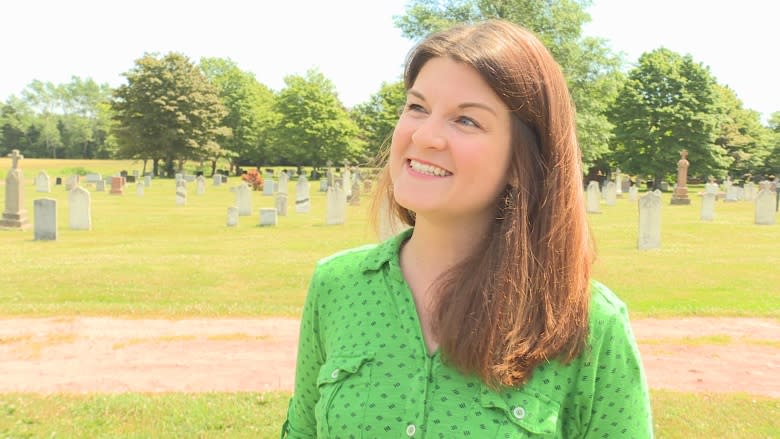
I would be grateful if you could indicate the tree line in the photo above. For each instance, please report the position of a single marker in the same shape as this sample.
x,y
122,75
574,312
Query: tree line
x,y
172,110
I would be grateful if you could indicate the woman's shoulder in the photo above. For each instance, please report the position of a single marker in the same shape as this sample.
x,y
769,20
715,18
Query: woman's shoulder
x,y
362,258
606,308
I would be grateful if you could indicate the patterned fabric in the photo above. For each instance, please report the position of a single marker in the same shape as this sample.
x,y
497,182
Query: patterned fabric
x,y
363,370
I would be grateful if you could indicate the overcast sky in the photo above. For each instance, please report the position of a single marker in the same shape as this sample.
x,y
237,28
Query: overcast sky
x,y
353,42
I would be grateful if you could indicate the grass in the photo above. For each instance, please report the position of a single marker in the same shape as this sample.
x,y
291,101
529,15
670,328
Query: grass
x,y
245,415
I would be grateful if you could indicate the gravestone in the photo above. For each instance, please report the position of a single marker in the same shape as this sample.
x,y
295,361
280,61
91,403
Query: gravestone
x,y
232,216
708,206
58,181
336,208
611,194
619,183
268,187
189,178
45,214
216,179
181,193
244,199
14,214
117,185
302,202
148,180
282,186
750,191
354,200
593,197
346,179
680,195
267,217
100,186
324,185
633,193
139,188
79,209
330,178
281,204
136,173
93,177
71,182
200,185
765,208
732,194
42,182
650,221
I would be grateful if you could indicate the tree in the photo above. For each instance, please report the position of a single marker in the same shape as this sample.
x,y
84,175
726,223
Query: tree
x,y
249,104
377,117
168,111
668,103
314,126
591,70
773,161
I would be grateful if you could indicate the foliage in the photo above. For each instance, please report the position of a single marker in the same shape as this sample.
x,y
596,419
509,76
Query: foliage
x,y
314,127
377,117
590,67
253,179
249,104
773,161
668,103
168,111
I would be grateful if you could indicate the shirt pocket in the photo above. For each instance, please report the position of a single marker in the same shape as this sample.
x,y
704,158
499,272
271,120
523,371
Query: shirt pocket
x,y
343,383
521,413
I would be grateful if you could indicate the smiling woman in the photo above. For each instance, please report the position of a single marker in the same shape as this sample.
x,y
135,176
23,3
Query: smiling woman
x,y
481,319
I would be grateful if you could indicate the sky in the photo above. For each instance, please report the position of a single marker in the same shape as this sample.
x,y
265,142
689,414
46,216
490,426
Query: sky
x,y
354,43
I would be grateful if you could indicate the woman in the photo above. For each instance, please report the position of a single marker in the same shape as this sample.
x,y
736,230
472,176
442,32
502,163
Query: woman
x,y
481,320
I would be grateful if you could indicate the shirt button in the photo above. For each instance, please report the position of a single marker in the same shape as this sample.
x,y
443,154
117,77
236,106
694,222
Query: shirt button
x,y
519,412
334,374
410,429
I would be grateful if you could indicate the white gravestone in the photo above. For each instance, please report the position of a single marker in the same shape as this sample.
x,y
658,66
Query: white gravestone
x,y
611,193
323,185
100,186
14,214
765,208
267,217
79,209
708,206
216,179
619,183
71,182
200,185
268,187
750,191
302,202
93,177
633,193
593,197
354,200
732,193
346,180
650,221
148,180
281,204
139,188
232,216
42,182
282,186
336,208
181,193
244,199
45,214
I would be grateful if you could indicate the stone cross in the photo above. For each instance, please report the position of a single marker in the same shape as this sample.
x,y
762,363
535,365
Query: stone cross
x,y
680,195
15,157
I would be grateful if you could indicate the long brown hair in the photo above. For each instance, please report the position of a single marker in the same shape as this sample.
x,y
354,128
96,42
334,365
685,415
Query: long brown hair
x,y
522,297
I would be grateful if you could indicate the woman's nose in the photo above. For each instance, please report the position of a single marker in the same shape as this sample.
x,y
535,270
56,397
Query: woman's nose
x,y
430,134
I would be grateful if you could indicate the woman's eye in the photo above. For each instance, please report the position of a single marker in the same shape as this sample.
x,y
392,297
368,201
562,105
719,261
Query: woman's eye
x,y
414,107
467,121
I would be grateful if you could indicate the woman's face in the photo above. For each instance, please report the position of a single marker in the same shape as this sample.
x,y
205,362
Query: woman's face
x,y
451,148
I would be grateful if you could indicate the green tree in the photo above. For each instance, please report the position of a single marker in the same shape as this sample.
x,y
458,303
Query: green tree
x,y
591,70
314,126
15,120
773,161
249,104
377,117
168,111
668,103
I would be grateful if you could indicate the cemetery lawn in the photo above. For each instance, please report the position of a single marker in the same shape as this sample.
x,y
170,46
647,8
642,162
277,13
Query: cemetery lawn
x,y
260,415
147,257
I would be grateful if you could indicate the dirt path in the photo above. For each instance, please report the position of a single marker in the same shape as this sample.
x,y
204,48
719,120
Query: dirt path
x,y
97,354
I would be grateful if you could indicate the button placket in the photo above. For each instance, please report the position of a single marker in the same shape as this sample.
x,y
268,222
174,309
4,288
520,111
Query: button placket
x,y
518,412
334,374
410,430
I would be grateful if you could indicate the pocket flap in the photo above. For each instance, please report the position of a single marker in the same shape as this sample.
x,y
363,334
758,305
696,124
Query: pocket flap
x,y
525,408
339,367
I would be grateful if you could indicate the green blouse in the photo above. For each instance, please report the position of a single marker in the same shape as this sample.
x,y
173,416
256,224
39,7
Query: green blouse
x,y
363,370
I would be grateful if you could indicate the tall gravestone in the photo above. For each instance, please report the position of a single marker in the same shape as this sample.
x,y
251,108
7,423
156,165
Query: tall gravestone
x,y
79,209
117,185
610,193
354,200
181,192
140,187
14,214
200,185
244,199
302,195
650,221
680,195
593,197
765,208
281,204
346,179
708,206
336,209
282,186
45,213
232,216
633,193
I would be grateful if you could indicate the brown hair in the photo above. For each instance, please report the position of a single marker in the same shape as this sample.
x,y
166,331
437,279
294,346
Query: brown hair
x,y
522,297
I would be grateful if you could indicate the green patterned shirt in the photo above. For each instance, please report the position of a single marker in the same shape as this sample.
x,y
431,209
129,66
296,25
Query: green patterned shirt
x,y
363,370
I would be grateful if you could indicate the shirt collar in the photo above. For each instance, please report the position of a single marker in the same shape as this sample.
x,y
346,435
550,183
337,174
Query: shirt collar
x,y
384,252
